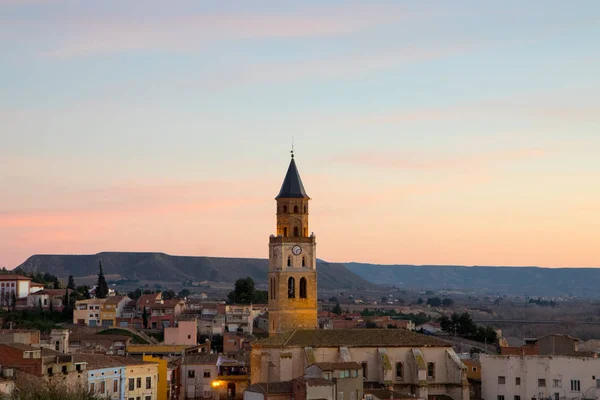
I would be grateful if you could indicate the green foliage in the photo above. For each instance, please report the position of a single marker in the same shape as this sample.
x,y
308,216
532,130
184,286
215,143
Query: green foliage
x,y
434,301
244,292
71,284
102,286
543,303
337,309
39,390
168,294
184,293
420,301
447,302
145,317
34,319
114,331
216,342
464,326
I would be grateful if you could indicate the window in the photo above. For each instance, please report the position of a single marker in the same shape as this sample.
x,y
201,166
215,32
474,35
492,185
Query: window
x,y
500,397
116,386
364,369
291,288
207,372
64,369
102,387
303,262
517,381
345,373
207,394
431,370
302,288
354,373
541,383
598,383
148,382
340,396
50,371
296,231
285,231
295,209
189,336
289,264
556,396
285,209
131,384
78,367
191,373
517,398
474,369
131,398
575,386
139,383
148,397
399,370
92,387
556,383
57,346
326,375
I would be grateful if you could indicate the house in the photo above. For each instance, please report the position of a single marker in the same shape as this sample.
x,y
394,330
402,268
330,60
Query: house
x,y
165,313
141,379
233,342
239,318
164,378
147,301
197,374
411,363
23,336
186,333
559,344
528,377
105,375
13,287
47,298
87,312
112,309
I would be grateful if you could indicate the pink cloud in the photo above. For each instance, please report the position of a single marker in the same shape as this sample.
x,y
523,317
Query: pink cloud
x,y
89,36
432,162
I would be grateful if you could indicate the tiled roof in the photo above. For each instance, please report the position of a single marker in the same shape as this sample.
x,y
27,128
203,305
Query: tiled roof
x,y
351,338
114,299
332,366
271,388
316,381
200,359
13,277
98,361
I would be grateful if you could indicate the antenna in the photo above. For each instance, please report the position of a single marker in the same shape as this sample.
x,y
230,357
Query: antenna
x,y
292,147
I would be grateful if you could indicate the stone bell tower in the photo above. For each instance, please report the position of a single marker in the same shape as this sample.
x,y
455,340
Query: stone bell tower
x,y
292,260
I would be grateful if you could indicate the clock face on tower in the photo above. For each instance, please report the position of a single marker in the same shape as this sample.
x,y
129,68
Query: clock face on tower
x,y
296,250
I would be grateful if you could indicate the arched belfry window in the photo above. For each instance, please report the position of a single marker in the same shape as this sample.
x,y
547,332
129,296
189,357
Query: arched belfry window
x,y
57,346
273,288
296,231
295,209
285,209
291,288
303,262
285,231
305,232
302,288
289,261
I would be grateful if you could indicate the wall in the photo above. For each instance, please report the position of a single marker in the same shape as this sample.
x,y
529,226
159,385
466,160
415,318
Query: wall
x,y
532,368
108,375
162,380
141,371
186,333
197,386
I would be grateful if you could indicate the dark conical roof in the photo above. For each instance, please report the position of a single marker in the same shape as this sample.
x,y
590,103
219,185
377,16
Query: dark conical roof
x,y
292,187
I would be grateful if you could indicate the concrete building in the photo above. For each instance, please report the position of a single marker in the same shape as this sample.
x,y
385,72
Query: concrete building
x,y
539,377
412,363
197,374
105,375
112,309
142,380
13,287
87,312
239,317
292,274
185,333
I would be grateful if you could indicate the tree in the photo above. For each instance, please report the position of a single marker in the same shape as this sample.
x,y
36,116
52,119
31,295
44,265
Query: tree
x,y
56,284
168,294
383,299
86,293
337,309
447,302
243,292
102,287
145,317
14,301
420,301
434,301
71,284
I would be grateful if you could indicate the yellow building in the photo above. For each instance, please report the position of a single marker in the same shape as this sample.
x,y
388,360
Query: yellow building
x,y
292,261
87,312
111,309
162,385
141,380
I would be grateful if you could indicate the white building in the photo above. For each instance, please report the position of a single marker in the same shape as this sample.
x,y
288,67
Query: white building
x,y
13,287
539,377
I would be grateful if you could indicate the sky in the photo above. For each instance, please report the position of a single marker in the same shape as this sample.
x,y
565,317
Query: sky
x,y
425,132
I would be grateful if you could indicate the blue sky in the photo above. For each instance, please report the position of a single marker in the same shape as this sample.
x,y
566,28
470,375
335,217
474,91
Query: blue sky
x,y
467,131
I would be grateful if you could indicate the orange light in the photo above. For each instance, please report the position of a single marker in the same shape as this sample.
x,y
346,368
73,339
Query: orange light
x,y
216,383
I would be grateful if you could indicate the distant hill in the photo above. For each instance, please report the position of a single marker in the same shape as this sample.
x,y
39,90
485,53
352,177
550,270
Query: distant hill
x,y
532,281
166,268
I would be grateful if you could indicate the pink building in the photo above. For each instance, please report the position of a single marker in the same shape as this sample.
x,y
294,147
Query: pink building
x,y
186,332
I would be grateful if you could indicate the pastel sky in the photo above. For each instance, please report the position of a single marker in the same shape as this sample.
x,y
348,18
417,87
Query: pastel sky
x,y
426,132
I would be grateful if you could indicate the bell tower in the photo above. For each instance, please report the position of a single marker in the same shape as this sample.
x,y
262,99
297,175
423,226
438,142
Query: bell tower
x,y
292,260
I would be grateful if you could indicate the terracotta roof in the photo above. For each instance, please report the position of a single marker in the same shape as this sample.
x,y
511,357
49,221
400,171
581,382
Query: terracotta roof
x,y
271,388
114,299
52,292
200,359
98,361
316,381
351,338
332,366
13,277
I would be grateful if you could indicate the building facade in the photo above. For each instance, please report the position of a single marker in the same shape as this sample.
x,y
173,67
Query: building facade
x,y
87,312
292,261
539,377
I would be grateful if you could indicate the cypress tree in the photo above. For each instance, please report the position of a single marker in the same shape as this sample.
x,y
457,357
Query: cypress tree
x,y
145,318
102,287
71,284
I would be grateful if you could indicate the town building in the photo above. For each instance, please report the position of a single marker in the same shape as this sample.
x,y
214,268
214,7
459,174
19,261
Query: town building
x,y
13,287
412,363
185,333
292,276
105,375
22,336
141,380
87,312
112,309
539,377
47,298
